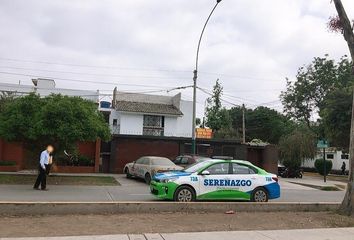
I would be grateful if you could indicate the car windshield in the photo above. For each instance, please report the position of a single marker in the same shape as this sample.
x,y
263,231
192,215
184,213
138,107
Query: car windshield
x,y
162,162
197,166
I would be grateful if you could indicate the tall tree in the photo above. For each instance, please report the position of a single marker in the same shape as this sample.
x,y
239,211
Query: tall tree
x,y
262,123
335,116
305,96
217,117
57,119
296,147
347,31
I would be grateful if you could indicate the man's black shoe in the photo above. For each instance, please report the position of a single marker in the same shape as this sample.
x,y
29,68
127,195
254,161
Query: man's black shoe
x,y
35,188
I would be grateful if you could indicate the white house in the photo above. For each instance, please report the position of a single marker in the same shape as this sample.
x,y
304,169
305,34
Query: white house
x,y
337,158
150,115
45,87
129,113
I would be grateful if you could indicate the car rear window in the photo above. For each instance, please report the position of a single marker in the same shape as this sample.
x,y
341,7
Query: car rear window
x,y
162,162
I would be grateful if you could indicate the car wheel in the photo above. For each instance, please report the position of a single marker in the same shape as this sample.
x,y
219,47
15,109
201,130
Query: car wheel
x,y
127,173
147,178
259,195
300,175
184,194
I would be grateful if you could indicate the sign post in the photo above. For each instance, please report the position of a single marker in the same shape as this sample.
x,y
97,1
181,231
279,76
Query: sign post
x,y
323,144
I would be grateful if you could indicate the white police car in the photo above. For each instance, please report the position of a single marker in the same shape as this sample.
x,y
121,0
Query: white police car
x,y
217,180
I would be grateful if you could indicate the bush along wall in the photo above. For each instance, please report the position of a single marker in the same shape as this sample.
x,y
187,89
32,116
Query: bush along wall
x,y
319,163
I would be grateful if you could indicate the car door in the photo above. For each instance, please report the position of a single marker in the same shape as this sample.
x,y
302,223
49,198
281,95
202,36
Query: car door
x,y
136,168
213,183
246,179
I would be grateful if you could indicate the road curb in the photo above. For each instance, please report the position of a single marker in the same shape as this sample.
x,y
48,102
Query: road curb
x,y
65,208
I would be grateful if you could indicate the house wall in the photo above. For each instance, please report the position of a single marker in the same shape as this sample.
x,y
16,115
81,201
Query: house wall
x,y
184,123
337,160
15,151
175,126
131,124
10,151
45,91
126,150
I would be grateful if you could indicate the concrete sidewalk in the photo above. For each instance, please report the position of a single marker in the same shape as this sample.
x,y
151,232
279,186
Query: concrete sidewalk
x,y
135,190
303,234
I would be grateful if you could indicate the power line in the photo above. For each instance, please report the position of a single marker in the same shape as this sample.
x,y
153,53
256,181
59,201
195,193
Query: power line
x,y
91,74
240,77
93,66
231,103
81,81
135,69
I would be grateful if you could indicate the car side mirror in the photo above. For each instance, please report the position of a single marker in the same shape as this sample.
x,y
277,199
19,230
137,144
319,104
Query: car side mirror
x,y
205,172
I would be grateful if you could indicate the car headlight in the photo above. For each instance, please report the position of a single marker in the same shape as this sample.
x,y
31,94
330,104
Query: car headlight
x,y
167,180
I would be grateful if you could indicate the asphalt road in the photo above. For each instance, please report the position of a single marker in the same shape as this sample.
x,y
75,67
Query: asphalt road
x,y
136,190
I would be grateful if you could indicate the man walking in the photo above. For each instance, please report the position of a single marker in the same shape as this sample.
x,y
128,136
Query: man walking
x,y
42,170
343,168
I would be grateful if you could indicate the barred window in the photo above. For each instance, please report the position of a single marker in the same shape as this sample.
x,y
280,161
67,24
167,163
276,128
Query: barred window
x,y
153,125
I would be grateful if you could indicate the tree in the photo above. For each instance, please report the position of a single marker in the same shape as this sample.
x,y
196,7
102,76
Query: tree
x,y
335,116
56,119
261,123
305,96
198,122
347,31
5,97
217,117
296,147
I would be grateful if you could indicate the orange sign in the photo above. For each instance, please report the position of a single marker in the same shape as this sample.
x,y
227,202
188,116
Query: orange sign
x,y
205,133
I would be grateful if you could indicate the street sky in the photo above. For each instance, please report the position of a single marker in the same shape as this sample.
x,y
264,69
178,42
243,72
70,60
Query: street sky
x,y
150,45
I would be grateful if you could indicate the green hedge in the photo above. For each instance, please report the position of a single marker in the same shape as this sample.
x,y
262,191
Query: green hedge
x,y
8,163
319,166
85,161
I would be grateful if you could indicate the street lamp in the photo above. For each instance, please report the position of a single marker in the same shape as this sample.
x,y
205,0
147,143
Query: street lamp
x,y
195,80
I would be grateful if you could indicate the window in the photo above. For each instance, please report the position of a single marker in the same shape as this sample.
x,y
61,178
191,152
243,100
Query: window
x,y
161,161
140,161
242,169
115,122
153,125
219,169
345,156
178,160
146,161
184,160
330,156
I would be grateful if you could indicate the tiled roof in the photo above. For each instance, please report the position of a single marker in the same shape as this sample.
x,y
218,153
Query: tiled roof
x,y
145,107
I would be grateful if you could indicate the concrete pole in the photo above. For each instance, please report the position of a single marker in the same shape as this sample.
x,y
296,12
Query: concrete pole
x,y
195,77
243,124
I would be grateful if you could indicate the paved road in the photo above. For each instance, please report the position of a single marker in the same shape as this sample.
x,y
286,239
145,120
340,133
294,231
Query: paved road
x,y
135,190
304,234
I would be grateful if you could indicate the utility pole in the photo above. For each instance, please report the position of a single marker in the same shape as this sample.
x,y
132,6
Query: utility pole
x,y
243,124
195,77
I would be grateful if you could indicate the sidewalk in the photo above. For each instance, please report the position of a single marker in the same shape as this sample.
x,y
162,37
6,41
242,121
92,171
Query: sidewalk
x,y
303,234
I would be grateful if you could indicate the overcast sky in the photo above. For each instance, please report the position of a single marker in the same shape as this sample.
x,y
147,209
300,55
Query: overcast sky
x,y
150,45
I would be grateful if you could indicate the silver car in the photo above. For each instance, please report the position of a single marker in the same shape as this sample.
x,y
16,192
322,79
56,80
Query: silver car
x,y
146,167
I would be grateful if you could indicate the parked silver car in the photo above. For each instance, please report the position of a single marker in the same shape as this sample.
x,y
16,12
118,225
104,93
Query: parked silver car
x,y
146,167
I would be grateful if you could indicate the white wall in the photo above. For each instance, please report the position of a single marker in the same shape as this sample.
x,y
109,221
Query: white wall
x,y
180,126
184,123
131,124
337,161
26,89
